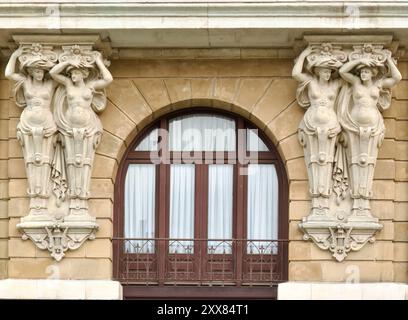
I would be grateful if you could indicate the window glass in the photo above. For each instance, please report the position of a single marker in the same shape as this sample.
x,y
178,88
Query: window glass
x,y
202,132
220,200
182,190
149,143
140,202
262,208
254,143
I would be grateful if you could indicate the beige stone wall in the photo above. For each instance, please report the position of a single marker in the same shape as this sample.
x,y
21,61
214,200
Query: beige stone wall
x,y
4,159
260,90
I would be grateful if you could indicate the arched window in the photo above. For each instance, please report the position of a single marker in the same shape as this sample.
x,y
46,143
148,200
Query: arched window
x,y
201,200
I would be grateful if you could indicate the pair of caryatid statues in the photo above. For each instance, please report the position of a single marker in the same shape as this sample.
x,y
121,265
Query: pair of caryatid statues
x,y
60,94
343,128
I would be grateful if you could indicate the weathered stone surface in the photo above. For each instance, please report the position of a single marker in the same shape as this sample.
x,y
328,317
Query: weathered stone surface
x,y
14,149
401,171
401,130
105,228
101,189
287,122
4,249
116,122
383,189
400,231
250,92
16,169
298,190
104,167
69,268
305,271
18,207
178,90
401,191
387,149
202,88
401,272
384,210
298,209
124,94
111,146
226,88
280,94
401,251
401,211
401,150
290,147
21,249
17,188
154,92
384,169
401,90
101,208
398,110
3,150
3,209
357,271
296,169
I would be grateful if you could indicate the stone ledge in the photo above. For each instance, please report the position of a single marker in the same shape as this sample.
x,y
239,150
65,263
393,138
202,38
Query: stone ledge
x,y
342,291
60,289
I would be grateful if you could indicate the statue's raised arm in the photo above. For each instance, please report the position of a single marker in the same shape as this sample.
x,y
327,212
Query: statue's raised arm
x,y
36,131
317,72
395,74
83,76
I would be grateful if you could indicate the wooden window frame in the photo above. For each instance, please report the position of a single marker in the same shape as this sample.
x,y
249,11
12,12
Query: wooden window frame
x,y
201,193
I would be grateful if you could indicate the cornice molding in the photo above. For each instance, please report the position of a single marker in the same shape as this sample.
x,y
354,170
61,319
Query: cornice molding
x,y
214,14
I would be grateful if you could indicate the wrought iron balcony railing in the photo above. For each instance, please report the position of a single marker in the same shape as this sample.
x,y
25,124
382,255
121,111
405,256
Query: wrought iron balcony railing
x,y
201,262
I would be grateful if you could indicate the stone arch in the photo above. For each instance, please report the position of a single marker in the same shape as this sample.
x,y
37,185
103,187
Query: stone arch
x,y
130,109
134,103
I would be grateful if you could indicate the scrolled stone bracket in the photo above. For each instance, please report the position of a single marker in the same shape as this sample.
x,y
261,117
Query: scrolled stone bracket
x,y
339,238
58,236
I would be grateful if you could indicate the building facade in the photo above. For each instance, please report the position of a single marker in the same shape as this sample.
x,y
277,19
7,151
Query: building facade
x,y
253,149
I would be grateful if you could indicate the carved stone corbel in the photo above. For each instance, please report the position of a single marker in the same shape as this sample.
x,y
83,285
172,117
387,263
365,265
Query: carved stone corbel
x,y
60,84
344,90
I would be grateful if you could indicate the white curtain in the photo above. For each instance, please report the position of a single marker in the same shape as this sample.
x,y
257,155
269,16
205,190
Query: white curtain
x,y
262,209
140,207
149,143
220,194
254,143
201,132
182,191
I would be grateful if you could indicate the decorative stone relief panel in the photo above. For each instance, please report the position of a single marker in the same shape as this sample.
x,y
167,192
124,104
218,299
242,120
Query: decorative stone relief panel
x,y
344,87
61,89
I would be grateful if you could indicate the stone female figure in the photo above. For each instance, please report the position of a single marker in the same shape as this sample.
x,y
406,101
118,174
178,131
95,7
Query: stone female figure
x,y
36,130
76,104
360,103
318,130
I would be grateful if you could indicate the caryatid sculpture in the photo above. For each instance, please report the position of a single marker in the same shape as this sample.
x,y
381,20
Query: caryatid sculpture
x,y
77,101
36,130
341,133
317,92
366,93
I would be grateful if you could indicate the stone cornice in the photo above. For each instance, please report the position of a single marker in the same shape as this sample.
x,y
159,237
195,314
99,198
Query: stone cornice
x,y
227,26
283,14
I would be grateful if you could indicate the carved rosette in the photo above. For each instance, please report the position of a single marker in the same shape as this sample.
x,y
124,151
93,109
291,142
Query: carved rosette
x,y
59,152
341,164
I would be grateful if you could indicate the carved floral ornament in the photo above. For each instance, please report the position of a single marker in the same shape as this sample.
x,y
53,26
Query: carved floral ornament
x,y
344,89
61,90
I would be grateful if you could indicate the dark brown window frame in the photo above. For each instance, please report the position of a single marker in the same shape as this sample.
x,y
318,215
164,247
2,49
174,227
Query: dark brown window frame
x,y
200,229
